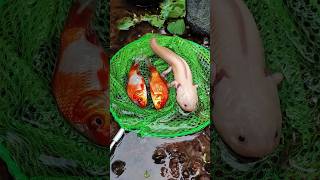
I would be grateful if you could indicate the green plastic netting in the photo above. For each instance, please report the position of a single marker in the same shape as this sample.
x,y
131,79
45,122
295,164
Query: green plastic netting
x,y
290,31
35,140
170,121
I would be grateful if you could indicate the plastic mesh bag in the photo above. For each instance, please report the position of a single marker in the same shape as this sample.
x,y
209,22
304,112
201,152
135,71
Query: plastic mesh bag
x,y
170,121
35,140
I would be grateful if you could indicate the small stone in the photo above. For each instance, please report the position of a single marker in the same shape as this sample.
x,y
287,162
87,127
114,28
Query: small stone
x,y
163,31
118,167
159,156
182,158
185,173
194,166
174,167
163,171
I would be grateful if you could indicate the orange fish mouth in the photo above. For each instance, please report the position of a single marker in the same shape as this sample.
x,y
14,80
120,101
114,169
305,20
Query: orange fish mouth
x,y
97,127
142,102
159,99
101,136
138,97
158,104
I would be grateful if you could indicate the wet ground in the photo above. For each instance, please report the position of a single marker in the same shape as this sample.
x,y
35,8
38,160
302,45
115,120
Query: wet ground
x,y
155,158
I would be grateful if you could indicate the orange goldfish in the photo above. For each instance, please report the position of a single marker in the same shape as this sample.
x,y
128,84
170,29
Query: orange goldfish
x,y
158,87
80,82
136,87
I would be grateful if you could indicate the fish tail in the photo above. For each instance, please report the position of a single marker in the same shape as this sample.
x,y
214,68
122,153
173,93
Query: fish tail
x,y
148,62
150,65
80,14
138,59
79,20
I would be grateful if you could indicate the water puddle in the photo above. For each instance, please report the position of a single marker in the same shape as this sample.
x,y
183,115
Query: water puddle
x,y
185,157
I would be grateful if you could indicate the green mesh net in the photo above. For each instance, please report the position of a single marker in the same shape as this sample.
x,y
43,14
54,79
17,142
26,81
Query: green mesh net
x,y
290,31
35,140
170,121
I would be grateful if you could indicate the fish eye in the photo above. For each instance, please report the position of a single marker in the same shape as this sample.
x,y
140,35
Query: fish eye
x,y
98,121
185,105
241,138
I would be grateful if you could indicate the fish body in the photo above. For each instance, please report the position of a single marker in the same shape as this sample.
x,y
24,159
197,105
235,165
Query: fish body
x,y
158,87
246,110
136,87
80,82
186,91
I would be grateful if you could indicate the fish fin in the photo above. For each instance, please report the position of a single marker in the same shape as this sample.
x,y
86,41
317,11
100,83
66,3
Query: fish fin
x,y
80,14
222,73
277,78
86,4
148,62
103,72
267,71
139,58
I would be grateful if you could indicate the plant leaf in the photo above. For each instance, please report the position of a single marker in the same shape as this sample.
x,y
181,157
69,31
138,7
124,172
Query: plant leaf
x,y
154,20
125,23
177,27
173,9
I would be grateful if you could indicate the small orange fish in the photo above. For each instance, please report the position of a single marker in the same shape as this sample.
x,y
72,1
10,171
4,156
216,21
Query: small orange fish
x,y
80,82
136,87
158,87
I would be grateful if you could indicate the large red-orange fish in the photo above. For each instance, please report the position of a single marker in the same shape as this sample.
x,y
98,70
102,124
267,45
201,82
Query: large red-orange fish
x,y
158,87
136,87
80,82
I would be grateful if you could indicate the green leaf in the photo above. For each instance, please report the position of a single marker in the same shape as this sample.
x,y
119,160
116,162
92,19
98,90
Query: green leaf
x,y
146,174
177,27
154,20
173,9
125,23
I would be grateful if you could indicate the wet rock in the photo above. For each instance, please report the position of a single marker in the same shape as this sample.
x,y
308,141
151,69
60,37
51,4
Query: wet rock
x,y
174,167
185,160
185,173
163,171
118,167
198,16
207,167
182,158
159,156
195,166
